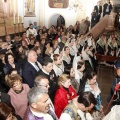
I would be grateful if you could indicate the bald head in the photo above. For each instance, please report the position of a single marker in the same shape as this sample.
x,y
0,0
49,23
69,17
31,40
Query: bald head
x,y
32,56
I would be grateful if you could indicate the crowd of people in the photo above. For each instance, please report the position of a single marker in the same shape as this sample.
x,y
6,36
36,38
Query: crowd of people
x,y
50,74
108,44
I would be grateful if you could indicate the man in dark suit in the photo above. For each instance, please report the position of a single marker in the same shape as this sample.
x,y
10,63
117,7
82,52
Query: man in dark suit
x,y
98,10
93,18
107,7
47,70
62,43
31,68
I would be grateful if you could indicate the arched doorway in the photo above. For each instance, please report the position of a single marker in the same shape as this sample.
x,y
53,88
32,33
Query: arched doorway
x,y
57,20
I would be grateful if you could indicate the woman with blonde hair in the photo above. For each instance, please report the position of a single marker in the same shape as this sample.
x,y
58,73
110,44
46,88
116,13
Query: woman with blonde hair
x,y
64,94
49,52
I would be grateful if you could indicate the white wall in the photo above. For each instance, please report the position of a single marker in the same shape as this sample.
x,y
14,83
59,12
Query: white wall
x,y
44,13
53,20
69,15
28,19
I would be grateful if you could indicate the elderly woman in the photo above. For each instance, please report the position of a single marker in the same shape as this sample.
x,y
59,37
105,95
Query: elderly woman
x,y
64,94
18,94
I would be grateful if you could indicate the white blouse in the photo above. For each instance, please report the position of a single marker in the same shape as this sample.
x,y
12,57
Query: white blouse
x,y
58,69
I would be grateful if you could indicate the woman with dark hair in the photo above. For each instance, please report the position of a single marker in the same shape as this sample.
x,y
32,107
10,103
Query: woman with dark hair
x,y
25,38
10,63
75,30
79,108
2,74
39,34
58,66
72,47
86,57
19,52
23,58
90,84
112,47
101,45
5,112
46,46
66,57
79,71
36,43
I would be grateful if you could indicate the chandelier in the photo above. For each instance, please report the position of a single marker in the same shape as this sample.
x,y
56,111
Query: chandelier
x,y
75,5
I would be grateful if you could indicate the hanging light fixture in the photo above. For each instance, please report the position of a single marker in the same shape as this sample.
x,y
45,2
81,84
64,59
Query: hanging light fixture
x,y
75,5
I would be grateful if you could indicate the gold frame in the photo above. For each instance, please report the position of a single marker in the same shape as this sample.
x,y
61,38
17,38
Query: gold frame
x,y
29,8
58,3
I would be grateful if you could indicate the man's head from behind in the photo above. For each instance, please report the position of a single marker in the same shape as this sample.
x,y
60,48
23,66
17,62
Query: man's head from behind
x,y
41,81
38,100
47,64
32,56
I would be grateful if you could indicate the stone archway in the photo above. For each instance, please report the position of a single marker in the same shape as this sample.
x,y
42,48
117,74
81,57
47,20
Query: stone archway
x,y
57,19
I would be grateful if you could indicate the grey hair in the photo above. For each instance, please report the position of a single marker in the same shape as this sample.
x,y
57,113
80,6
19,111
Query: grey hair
x,y
35,93
38,80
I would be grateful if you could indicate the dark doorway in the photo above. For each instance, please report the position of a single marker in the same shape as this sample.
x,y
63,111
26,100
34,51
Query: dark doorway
x,y
60,21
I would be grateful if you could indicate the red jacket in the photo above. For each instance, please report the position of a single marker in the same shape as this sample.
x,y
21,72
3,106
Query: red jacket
x,y
61,99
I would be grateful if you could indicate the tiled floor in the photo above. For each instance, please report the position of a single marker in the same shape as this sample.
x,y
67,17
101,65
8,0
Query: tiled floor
x,y
105,76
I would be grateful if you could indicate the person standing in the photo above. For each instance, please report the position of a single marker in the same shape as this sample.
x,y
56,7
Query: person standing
x,y
31,31
107,7
93,18
98,9
87,22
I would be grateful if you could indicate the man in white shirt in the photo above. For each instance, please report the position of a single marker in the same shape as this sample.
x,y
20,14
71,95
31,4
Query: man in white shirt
x,y
31,31
39,108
